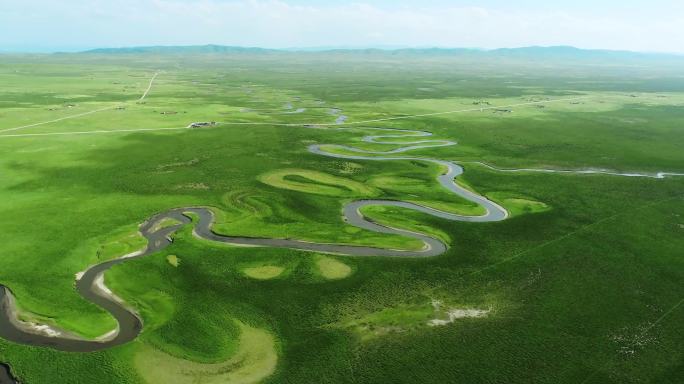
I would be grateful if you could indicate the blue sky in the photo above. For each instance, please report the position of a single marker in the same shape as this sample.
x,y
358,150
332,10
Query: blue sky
x,y
48,25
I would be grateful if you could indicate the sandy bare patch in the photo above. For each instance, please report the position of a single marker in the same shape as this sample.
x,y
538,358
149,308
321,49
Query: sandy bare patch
x,y
194,186
454,314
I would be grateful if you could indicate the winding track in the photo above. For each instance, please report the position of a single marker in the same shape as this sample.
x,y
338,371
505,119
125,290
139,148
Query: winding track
x,y
90,283
142,98
149,87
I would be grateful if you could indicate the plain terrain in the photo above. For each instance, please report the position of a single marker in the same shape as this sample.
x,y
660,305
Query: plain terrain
x,y
582,284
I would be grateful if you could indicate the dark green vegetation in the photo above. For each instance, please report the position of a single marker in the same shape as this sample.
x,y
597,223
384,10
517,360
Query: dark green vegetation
x,y
582,283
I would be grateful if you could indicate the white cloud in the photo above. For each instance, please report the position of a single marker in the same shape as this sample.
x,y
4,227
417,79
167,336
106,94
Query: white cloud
x,y
277,23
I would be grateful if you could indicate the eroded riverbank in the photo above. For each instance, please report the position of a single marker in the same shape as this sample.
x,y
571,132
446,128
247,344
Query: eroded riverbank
x,y
6,375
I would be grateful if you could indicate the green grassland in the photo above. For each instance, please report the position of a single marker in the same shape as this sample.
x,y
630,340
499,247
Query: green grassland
x,y
581,283
265,272
254,361
320,183
332,269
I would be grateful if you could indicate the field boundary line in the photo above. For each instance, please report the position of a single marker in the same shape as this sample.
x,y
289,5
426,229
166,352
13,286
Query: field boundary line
x,y
58,120
643,333
544,244
149,87
570,234
561,238
94,132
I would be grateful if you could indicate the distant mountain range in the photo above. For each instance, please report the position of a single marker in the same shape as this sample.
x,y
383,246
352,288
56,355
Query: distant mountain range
x,y
181,49
524,52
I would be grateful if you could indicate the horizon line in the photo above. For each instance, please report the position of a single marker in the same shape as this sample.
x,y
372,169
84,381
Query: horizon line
x,y
313,49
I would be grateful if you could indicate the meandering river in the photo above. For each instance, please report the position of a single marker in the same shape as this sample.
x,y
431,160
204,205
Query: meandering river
x,y
90,283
